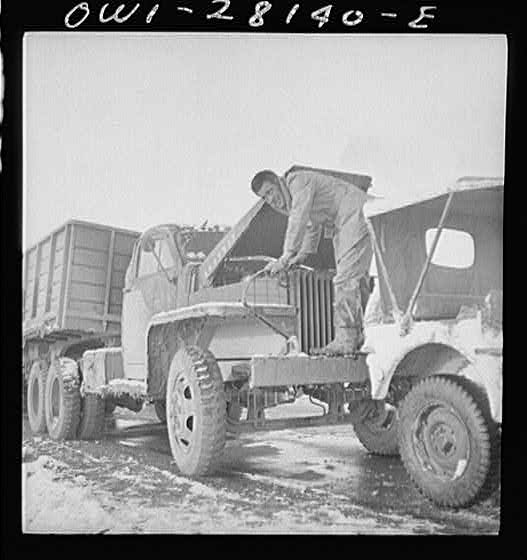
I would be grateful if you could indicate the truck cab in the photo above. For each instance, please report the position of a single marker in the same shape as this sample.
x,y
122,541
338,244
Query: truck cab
x,y
151,286
161,276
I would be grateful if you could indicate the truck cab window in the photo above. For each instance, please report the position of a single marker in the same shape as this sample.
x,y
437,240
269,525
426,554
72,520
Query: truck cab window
x,y
164,254
147,263
154,257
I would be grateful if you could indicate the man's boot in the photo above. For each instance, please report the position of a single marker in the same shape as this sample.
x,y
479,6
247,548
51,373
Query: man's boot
x,y
347,342
347,322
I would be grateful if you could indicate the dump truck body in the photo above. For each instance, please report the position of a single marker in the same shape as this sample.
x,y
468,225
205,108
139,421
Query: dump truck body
x,y
73,280
72,290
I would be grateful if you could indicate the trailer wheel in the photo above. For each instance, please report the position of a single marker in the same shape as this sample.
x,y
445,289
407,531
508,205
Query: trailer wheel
x,y
62,399
446,441
196,411
377,430
36,389
161,411
91,423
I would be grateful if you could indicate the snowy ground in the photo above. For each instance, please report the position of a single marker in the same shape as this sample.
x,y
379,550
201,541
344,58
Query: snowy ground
x,y
311,480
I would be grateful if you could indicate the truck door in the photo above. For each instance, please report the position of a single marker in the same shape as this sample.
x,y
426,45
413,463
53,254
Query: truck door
x,y
150,288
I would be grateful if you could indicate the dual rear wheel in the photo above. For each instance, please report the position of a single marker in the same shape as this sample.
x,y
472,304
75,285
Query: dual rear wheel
x,y
55,404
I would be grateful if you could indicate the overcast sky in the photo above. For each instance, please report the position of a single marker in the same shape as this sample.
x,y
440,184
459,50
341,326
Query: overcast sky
x,y
132,130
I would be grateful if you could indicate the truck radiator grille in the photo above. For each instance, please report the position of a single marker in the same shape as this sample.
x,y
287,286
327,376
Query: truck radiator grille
x,y
312,295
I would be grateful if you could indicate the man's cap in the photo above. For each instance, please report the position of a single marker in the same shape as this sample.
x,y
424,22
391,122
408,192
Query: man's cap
x,y
261,176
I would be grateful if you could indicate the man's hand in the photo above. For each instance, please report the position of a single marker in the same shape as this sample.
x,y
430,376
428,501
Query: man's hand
x,y
274,268
297,259
285,263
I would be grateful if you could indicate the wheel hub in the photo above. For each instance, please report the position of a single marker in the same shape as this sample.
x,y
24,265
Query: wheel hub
x,y
182,412
441,441
380,417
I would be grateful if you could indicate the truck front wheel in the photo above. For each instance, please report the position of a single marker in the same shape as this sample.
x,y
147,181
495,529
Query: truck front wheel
x,y
196,411
62,399
109,407
446,442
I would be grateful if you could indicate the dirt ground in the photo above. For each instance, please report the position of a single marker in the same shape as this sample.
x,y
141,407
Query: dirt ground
x,y
310,480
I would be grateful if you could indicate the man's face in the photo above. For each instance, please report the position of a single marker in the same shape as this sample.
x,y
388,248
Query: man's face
x,y
272,194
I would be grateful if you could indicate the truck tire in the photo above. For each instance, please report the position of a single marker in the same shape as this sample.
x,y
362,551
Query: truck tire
x,y
493,478
447,442
62,399
109,407
196,411
234,411
36,390
91,424
234,414
378,430
161,411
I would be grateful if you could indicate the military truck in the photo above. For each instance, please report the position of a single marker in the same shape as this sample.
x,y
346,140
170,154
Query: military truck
x,y
215,343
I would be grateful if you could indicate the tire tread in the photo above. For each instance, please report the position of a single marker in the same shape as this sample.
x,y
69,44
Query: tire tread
x,y
212,402
385,444
68,371
37,423
484,477
91,423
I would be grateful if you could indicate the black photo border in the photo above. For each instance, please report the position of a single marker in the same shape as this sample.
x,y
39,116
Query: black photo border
x,y
20,16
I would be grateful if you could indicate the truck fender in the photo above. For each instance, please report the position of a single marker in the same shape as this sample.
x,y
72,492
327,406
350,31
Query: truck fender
x,y
163,341
424,360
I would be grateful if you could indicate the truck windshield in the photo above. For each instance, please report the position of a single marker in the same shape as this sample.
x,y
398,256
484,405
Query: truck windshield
x,y
155,257
196,244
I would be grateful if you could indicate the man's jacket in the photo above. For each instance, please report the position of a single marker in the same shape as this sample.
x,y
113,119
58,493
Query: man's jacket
x,y
319,198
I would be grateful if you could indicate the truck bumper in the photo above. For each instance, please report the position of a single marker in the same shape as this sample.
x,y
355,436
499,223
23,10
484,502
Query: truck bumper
x,y
276,371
